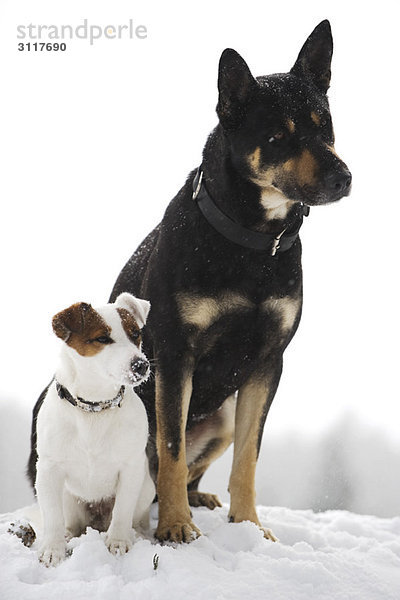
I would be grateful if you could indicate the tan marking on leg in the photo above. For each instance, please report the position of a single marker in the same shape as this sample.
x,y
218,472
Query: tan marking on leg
x,y
291,125
220,427
79,326
203,311
315,118
206,442
249,413
174,521
198,467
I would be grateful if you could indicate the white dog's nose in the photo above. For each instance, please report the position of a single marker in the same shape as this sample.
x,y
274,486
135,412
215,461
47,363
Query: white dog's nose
x,y
140,366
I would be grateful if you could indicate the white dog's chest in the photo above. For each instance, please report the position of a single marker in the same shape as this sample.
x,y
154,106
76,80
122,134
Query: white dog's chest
x,y
91,449
92,471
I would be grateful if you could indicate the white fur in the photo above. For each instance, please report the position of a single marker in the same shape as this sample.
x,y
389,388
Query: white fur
x,y
93,456
275,203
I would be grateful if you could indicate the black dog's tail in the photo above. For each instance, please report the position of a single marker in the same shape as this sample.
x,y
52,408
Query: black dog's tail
x,y
31,467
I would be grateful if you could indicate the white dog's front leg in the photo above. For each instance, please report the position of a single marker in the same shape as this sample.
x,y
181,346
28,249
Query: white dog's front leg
x,y
49,487
119,534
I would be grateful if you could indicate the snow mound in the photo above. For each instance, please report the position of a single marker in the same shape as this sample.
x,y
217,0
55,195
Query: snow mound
x,y
332,555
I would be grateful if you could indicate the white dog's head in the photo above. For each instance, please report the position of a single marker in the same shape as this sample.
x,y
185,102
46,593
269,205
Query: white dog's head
x,y
106,341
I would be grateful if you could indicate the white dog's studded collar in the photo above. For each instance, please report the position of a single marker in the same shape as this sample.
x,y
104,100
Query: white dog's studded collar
x,y
87,406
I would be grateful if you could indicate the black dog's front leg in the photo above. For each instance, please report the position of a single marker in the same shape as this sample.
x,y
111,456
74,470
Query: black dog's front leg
x,y
173,393
254,400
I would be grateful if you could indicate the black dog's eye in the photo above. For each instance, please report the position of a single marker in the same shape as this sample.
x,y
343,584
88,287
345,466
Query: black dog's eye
x,y
104,339
279,135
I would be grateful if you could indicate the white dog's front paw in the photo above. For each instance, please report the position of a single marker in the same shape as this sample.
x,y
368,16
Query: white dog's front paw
x,y
117,546
52,554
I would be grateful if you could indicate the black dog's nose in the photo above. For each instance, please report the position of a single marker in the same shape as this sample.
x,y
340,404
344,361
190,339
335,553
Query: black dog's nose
x,y
140,366
338,182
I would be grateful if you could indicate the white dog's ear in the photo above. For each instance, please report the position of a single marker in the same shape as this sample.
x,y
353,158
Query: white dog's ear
x,y
136,306
74,319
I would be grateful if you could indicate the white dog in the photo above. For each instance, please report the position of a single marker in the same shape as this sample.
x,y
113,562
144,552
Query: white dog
x,y
92,429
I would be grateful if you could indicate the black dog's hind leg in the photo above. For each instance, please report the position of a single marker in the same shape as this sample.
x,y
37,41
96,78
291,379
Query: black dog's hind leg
x,y
205,442
197,498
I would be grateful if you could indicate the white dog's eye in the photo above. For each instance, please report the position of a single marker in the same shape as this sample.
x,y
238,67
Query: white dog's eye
x,y
104,339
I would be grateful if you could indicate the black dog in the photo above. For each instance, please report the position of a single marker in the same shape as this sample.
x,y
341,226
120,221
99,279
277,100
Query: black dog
x,y
223,274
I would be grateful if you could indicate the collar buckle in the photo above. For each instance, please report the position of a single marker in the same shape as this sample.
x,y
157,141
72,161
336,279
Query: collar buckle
x,y
276,243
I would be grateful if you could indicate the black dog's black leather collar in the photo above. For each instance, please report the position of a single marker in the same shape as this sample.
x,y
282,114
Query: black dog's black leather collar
x,y
241,235
64,394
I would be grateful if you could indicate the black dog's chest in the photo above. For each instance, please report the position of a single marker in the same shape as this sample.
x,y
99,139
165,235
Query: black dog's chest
x,y
232,338
237,319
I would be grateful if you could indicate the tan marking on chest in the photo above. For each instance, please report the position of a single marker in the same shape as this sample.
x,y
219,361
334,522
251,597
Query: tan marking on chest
x,y
202,311
286,309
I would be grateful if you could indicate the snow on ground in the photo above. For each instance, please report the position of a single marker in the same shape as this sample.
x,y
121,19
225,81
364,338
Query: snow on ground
x,y
332,555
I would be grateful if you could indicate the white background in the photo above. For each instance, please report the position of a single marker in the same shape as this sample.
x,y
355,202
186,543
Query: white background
x,y
96,140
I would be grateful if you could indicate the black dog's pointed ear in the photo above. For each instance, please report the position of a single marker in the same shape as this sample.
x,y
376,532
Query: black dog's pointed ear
x,y
314,60
236,85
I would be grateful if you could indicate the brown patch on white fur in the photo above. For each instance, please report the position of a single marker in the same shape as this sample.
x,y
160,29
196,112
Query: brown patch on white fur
x,y
130,326
79,326
315,118
202,311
